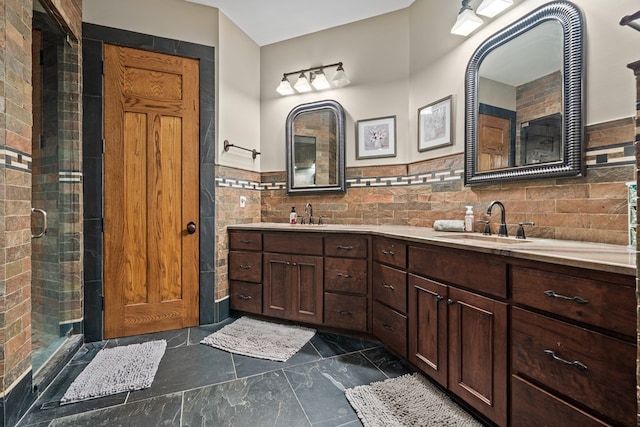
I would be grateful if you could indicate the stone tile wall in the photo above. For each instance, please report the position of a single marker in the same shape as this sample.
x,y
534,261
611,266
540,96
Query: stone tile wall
x,y
591,208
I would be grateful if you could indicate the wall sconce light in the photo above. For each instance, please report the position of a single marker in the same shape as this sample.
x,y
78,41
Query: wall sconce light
x,y
467,21
317,80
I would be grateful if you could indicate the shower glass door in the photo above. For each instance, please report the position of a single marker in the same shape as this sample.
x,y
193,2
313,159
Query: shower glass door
x,y
56,303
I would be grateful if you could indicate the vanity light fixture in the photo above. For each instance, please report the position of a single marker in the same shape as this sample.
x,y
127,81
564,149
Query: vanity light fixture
x,y
284,88
467,21
317,80
491,8
302,85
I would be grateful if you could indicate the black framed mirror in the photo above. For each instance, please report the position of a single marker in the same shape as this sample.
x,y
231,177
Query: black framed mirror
x,y
315,146
524,99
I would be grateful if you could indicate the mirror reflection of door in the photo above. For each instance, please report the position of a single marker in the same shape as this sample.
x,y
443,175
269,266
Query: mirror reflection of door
x,y
304,160
315,146
523,77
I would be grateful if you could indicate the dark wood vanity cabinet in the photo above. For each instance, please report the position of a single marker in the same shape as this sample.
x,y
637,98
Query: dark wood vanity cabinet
x,y
293,283
389,289
458,336
245,271
573,347
346,285
522,342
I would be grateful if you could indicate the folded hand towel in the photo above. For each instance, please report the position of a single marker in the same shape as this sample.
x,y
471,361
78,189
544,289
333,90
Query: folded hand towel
x,y
448,225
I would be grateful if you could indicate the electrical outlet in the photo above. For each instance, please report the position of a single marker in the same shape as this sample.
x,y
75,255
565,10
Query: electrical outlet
x,y
243,201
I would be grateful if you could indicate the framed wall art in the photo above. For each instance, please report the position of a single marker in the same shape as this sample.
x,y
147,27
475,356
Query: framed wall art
x,y
434,125
376,138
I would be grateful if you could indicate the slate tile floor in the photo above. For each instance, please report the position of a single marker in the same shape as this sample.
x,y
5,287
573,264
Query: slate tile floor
x,y
197,385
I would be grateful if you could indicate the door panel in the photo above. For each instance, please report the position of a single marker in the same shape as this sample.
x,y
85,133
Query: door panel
x,y
495,134
151,186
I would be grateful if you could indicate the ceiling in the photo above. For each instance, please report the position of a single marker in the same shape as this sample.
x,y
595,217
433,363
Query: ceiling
x,y
271,21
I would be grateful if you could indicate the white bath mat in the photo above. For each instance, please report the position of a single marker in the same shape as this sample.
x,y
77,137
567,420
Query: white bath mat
x,y
409,400
115,370
257,338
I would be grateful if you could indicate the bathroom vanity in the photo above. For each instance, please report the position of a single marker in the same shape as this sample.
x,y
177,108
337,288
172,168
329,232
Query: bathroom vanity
x,y
525,333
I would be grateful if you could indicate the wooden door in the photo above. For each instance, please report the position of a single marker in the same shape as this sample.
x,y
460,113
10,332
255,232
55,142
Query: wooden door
x,y
428,341
151,167
478,352
494,137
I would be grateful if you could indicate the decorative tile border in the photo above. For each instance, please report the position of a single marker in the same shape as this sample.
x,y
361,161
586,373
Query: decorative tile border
x,y
612,155
70,177
14,159
616,154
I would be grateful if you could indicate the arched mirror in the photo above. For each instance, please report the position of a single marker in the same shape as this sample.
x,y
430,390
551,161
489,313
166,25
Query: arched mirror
x,y
315,136
524,106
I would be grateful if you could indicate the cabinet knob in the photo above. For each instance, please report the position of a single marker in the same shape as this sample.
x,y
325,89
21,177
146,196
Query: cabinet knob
x,y
450,301
191,227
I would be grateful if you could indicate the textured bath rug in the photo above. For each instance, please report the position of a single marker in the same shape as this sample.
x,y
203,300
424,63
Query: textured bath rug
x,y
408,400
257,338
115,370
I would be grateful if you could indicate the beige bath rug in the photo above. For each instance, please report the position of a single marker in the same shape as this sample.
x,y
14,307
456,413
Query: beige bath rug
x,y
409,400
261,339
115,370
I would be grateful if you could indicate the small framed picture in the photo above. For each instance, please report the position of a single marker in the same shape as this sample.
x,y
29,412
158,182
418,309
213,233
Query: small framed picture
x,y
434,125
376,138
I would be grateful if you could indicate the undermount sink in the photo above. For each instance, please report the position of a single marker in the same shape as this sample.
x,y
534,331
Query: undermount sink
x,y
483,238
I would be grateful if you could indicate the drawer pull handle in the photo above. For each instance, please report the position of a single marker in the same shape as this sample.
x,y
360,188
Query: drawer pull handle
x,y
346,248
245,267
388,252
246,242
577,299
345,275
439,298
387,327
384,285
345,313
575,363
244,297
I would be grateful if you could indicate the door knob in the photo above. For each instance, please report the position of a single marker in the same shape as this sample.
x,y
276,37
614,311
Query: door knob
x,y
191,227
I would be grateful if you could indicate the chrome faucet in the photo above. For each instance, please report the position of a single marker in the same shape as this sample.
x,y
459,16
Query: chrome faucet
x,y
308,209
502,232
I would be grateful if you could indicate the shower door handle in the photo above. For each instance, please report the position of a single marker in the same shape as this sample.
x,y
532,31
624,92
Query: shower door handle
x,y
44,223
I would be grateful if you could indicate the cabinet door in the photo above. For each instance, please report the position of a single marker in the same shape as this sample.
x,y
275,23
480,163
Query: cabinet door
x,y
305,289
428,327
478,352
276,290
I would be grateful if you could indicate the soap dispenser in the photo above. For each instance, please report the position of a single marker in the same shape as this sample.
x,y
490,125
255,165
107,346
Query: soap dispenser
x,y
468,219
293,216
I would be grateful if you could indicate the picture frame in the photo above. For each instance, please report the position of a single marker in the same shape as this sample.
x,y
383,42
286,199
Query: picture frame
x,y
376,138
435,127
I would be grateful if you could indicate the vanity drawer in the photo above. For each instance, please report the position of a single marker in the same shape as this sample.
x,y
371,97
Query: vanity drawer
x,y
389,286
293,243
245,240
390,327
480,272
345,246
345,275
390,251
245,266
345,311
595,370
245,296
534,407
602,304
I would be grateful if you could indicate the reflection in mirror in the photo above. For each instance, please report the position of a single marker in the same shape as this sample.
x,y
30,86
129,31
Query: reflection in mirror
x,y
315,148
524,99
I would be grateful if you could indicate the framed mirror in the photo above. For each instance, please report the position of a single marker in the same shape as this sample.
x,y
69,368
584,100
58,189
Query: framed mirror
x,y
524,99
315,139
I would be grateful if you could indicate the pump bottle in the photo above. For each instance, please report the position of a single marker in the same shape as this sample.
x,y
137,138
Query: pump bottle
x,y
468,219
293,216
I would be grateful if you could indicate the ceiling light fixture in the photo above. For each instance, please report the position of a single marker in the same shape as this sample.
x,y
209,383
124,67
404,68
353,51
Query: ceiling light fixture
x,y
317,78
467,21
491,8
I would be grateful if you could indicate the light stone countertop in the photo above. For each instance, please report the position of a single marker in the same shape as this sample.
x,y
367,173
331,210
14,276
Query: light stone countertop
x,y
595,256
